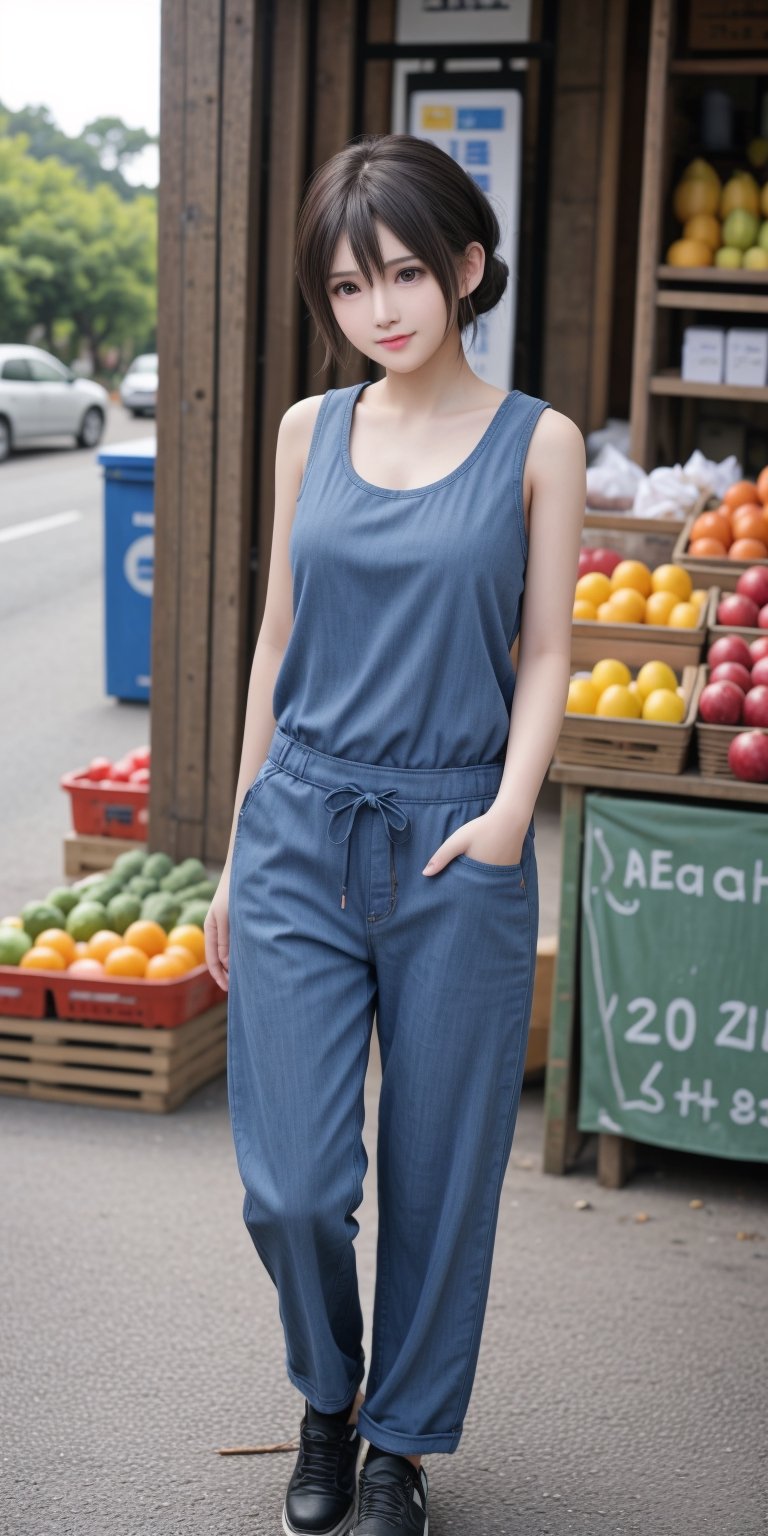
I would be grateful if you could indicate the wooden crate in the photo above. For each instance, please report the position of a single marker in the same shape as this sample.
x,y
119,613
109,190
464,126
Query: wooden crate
x,y
708,573
114,1066
87,854
538,1036
637,643
713,741
591,740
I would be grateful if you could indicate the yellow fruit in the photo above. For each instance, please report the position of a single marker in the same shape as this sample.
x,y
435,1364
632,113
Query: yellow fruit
x,y
609,671
703,226
689,253
740,192
11,922
582,697
102,943
635,691
606,614
696,194
57,938
699,596
628,605
632,573
672,578
728,256
146,935
659,606
756,259
42,957
584,610
192,937
665,706
164,968
655,675
594,588
701,168
618,701
757,153
183,954
126,960
764,200
684,616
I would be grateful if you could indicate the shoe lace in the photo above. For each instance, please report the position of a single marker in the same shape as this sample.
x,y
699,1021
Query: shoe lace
x,y
387,1500
319,1458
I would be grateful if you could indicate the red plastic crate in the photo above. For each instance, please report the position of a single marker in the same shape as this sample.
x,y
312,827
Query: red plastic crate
x,y
124,999
100,810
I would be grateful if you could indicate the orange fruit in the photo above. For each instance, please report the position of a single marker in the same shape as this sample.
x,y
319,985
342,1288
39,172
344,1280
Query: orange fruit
x,y
594,588
41,957
617,700
164,968
659,606
192,937
750,522
183,953
146,935
57,938
684,616
762,484
584,610
736,495
708,549
606,614
81,949
609,671
748,549
628,605
102,943
126,960
85,966
713,525
632,573
672,578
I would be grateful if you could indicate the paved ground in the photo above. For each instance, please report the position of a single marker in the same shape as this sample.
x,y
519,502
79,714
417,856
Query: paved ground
x,y
621,1386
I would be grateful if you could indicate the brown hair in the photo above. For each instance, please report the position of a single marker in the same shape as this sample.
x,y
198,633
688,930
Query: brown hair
x,y
418,192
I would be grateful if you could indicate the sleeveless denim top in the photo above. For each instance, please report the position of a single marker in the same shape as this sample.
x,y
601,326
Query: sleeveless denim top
x,y
406,603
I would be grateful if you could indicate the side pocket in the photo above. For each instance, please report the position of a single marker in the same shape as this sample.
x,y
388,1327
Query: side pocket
x,y
267,769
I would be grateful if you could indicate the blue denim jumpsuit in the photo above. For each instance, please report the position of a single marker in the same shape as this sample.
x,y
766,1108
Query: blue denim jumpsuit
x,y
392,715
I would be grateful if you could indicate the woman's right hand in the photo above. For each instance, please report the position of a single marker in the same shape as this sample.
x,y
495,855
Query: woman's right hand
x,y
216,930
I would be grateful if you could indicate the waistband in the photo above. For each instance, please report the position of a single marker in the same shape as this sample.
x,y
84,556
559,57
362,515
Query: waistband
x,y
413,784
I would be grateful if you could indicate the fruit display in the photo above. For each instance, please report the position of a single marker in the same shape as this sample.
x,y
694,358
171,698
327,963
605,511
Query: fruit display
x,y
142,918
630,592
610,691
736,691
722,224
738,528
111,799
133,768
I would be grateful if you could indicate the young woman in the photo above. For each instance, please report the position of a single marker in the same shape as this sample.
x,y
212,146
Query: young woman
x,y
382,854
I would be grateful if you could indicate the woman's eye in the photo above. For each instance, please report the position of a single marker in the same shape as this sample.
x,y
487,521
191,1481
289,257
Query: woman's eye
x,y
404,271
408,269
339,286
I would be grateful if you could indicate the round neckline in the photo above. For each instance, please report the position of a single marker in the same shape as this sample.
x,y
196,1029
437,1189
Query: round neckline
x,y
416,490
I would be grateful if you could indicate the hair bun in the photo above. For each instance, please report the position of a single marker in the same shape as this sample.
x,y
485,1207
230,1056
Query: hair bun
x,y
491,286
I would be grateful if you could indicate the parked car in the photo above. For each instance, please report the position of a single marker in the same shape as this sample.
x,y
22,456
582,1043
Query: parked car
x,y
42,397
138,390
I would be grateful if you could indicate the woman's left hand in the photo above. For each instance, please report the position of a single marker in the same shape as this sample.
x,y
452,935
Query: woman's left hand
x,y
491,838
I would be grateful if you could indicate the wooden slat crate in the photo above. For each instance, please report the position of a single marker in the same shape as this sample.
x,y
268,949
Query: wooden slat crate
x,y
637,643
115,1066
592,740
713,572
538,1036
85,854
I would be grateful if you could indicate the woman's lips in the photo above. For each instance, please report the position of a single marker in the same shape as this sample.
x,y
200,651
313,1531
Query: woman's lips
x,y
394,342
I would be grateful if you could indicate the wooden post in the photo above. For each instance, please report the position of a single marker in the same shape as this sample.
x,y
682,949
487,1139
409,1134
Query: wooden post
x,y
654,159
559,1103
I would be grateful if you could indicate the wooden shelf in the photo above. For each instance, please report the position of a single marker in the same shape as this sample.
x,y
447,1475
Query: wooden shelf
x,y
694,298
719,65
689,785
670,383
740,277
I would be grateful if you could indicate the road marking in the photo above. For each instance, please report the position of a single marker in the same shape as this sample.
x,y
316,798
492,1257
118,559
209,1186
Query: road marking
x,y
38,525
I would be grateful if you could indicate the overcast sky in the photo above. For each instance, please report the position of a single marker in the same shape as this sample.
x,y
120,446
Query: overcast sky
x,y
84,59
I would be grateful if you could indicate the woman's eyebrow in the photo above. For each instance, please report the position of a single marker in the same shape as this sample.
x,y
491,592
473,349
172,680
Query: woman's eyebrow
x,y
391,263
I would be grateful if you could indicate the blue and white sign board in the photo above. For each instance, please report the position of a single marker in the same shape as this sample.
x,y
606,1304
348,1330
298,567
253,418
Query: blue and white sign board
x,y
482,131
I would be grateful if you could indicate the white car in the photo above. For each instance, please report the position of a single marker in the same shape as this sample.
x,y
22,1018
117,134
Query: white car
x,y
138,390
41,397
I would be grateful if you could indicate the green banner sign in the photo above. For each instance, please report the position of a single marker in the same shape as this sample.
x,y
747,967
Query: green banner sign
x,y
674,975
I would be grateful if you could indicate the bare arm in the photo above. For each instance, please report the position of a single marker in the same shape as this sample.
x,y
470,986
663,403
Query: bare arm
x,y
555,475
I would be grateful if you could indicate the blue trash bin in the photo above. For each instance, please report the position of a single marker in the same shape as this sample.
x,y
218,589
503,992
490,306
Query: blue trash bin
x,y
129,563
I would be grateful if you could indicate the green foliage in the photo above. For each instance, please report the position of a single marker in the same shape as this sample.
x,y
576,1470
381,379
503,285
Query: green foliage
x,y
78,260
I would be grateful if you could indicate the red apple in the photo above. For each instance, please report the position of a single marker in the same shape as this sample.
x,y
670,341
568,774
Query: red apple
x,y
762,618
98,768
753,584
760,672
748,756
756,706
741,611
140,776
603,560
729,648
140,757
732,672
120,773
759,648
721,704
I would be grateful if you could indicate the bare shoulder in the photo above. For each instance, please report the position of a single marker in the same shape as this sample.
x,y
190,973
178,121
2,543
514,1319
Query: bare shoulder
x,y
556,441
296,427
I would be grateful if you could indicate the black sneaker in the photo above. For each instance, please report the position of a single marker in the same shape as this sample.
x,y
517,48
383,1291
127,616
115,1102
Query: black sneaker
x,y
320,1498
392,1497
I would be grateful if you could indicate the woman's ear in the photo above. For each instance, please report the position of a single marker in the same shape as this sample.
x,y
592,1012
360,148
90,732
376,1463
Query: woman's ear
x,y
472,268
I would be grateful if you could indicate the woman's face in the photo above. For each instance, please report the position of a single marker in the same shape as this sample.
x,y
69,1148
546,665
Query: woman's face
x,y
406,301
